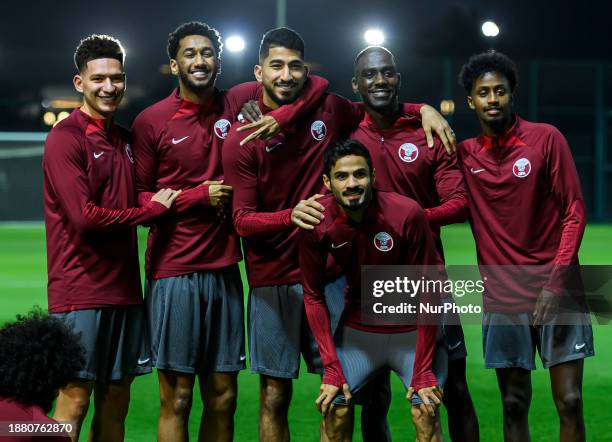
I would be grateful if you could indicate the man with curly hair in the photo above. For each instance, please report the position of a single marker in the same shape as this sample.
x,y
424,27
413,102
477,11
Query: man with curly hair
x,y
92,253
526,209
39,355
194,291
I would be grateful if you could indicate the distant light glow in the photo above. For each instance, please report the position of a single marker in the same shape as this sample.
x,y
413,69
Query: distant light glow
x,y
61,116
235,43
447,107
62,103
374,37
490,29
49,118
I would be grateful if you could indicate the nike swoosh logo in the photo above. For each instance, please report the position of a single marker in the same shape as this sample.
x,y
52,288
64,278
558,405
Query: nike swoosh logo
x,y
98,155
242,358
580,347
475,171
143,361
334,246
175,141
271,148
452,347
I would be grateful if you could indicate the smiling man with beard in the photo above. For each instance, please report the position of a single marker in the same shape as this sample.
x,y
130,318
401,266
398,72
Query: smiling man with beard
x,y
276,185
367,227
406,165
194,291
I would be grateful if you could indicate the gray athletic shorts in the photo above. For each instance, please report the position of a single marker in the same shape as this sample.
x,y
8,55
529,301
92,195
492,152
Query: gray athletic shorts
x,y
196,321
363,355
279,331
115,341
452,333
509,340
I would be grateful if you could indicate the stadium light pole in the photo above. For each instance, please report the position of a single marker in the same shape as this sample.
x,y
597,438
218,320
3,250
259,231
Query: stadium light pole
x,y
281,13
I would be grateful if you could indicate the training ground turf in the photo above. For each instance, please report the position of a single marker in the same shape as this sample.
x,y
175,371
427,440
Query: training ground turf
x,y
23,282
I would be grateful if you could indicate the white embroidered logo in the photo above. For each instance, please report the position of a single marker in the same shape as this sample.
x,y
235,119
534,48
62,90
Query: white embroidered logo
x,y
521,168
408,152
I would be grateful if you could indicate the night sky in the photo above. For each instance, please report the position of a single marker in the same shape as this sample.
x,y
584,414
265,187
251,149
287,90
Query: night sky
x,y
38,39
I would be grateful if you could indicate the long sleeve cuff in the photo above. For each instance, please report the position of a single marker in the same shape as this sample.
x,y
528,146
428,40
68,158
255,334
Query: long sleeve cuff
x,y
412,109
450,212
333,374
423,380
250,223
189,198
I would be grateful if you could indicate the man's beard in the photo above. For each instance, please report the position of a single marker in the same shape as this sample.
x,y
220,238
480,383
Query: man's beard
x,y
281,100
357,204
197,89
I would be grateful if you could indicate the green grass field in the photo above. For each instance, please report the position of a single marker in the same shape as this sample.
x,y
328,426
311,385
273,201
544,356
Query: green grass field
x,y
23,282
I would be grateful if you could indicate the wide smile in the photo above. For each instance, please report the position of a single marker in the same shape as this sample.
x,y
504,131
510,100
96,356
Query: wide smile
x,y
200,74
286,87
381,93
108,99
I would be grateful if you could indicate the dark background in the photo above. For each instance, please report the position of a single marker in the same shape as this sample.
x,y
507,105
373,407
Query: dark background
x,y
37,40
563,50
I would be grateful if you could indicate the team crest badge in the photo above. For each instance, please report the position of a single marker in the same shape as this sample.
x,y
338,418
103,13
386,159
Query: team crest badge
x,y
318,130
408,152
222,128
521,168
128,152
383,241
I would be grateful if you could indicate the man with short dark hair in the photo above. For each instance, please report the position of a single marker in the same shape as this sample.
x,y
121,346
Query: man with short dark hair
x,y
276,185
406,165
194,292
367,227
526,213
92,254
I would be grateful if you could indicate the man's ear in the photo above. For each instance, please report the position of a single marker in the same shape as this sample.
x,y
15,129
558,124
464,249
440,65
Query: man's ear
x,y
470,102
174,67
77,81
257,72
327,182
354,84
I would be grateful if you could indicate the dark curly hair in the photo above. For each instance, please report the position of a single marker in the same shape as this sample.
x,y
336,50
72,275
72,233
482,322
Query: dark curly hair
x,y
193,28
490,61
344,148
97,46
38,356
